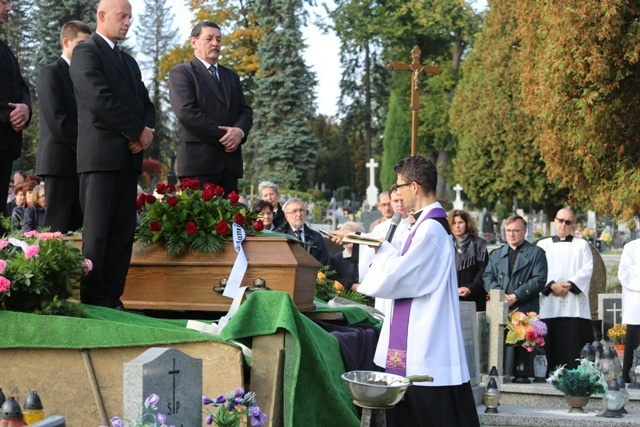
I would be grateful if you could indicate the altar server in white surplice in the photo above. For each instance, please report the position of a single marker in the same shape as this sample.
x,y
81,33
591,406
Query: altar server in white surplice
x,y
564,301
629,275
380,231
422,334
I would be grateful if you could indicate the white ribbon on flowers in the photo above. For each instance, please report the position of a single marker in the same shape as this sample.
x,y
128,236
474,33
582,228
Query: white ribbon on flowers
x,y
239,266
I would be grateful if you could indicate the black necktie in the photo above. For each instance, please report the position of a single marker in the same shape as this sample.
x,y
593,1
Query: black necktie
x,y
298,234
215,77
118,50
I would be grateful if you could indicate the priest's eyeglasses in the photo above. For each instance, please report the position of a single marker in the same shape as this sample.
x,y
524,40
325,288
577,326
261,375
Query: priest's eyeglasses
x,y
566,221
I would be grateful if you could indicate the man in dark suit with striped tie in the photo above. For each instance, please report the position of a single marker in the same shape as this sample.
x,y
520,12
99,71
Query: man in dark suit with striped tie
x,y
214,117
15,110
115,125
56,157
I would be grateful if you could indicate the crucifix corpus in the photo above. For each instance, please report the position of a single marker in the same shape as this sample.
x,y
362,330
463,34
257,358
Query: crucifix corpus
x,y
416,68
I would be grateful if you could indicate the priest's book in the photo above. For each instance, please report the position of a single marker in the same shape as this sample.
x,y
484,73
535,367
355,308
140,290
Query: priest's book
x,y
361,240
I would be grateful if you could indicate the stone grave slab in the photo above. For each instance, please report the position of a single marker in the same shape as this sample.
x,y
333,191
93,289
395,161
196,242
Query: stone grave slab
x,y
469,325
609,310
483,341
172,375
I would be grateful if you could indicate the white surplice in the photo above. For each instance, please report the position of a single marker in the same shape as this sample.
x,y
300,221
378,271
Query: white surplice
x,y
567,262
367,253
629,275
426,273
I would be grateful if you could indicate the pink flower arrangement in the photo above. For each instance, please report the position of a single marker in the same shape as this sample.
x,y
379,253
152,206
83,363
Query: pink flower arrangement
x,y
526,330
39,273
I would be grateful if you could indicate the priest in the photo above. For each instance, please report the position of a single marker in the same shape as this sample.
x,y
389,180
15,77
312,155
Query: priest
x,y
422,334
564,301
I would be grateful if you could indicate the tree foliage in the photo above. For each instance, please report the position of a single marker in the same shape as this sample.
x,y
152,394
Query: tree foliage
x,y
581,82
283,98
396,142
156,33
497,158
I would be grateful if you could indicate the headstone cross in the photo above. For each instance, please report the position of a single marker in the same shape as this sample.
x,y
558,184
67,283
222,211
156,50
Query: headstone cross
x,y
372,190
457,203
416,68
615,310
498,316
175,405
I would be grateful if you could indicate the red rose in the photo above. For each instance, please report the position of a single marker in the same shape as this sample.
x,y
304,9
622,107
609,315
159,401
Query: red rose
x,y
172,201
207,195
161,188
238,219
155,226
171,188
150,198
233,198
258,225
222,228
140,201
194,184
531,335
218,191
191,227
209,186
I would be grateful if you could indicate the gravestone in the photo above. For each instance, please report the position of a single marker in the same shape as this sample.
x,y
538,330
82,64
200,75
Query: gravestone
x,y
458,203
367,217
372,190
497,315
483,341
609,310
469,325
175,377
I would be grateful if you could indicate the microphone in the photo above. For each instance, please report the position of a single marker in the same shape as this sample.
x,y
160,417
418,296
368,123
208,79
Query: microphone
x,y
395,220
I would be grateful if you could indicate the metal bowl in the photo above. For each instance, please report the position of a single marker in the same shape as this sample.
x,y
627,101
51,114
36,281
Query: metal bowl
x,y
371,389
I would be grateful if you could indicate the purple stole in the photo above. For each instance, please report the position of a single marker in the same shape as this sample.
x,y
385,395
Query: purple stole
x,y
399,330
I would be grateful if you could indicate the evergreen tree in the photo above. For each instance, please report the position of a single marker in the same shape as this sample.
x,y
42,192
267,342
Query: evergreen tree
x,y
155,33
283,103
396,142
334,161
51,15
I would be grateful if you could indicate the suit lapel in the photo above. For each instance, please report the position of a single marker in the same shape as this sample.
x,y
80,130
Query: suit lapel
x,y
64,69
113,57
205,74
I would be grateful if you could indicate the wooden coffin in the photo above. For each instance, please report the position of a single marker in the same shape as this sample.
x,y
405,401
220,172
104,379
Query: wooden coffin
x,y
186,282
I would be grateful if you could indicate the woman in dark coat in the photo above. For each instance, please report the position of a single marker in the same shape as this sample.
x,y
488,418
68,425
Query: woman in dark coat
x,y
471,258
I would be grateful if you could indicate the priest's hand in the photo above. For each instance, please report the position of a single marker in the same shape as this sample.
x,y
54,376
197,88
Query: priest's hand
x,y
463,291
511,299
561,288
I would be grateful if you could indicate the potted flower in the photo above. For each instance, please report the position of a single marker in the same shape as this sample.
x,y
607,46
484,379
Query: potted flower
x,y
187,218
233,408
617,335
525,332
150,416
578,384
39,273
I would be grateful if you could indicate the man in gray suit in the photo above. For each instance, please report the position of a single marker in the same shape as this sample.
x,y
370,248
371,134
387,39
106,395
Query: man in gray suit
x,y
518,268
214,117
115,125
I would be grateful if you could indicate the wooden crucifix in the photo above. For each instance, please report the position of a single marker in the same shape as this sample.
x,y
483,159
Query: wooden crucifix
x,y
416,68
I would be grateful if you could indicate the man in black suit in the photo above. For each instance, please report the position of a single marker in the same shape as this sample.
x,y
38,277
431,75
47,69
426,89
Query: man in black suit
x,y
295,212
115,125
214,117
15,110
56,157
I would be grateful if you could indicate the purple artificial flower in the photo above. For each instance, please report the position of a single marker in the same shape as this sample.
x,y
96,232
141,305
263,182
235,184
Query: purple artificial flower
x,y
240,392
209,420
259,419
162,418
540,327
220,399
117,422
152,400
206,400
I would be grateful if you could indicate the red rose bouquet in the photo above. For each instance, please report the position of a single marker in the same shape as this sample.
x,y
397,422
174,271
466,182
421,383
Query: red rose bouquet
x,y
185,217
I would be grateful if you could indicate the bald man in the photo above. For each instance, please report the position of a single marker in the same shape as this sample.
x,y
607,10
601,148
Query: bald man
x,y
564,302
115,125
